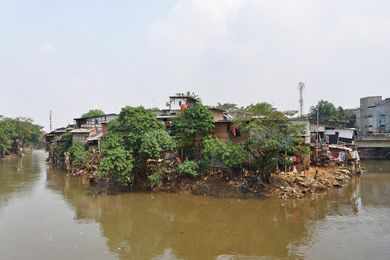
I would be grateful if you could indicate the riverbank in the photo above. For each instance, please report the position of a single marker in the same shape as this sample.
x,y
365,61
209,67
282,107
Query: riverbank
x,y
22,152
287,185
281,185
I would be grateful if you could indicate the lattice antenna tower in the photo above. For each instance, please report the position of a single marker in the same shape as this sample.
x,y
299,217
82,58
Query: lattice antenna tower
x,y
301,87
51,121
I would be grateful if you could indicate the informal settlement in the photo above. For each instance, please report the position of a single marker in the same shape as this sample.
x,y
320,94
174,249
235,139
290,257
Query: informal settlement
x,y
188,147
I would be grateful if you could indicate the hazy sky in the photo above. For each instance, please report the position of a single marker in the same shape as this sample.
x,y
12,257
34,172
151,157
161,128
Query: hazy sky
x,y
71,55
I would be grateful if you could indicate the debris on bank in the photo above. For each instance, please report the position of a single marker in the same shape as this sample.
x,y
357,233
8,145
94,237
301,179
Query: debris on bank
x,y
293,185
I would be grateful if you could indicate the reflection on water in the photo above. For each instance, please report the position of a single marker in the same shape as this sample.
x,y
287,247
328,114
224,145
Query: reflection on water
x,y
17,178
346,223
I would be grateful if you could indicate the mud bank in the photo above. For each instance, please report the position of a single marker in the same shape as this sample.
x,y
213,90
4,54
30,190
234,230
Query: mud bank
x,y
282,185
246,185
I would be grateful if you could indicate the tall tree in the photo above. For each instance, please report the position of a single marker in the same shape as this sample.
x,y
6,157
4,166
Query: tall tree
x,y
332,116
190,94
21,131
93,113
326,112
271,137
132,139
192,126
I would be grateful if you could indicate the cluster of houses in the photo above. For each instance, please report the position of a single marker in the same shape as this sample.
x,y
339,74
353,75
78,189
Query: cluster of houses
x,y
327,143
91,130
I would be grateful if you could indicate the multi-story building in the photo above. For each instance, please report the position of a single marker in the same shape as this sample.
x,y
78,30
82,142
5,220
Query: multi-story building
x,y
374,114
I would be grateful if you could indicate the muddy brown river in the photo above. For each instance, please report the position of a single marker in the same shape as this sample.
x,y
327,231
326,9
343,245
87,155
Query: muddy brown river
x,y
45,214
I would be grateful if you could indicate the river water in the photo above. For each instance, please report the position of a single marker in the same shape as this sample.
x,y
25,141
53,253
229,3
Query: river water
x,y
45,214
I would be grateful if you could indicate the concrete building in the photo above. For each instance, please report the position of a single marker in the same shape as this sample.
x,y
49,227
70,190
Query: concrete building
x,y
374,114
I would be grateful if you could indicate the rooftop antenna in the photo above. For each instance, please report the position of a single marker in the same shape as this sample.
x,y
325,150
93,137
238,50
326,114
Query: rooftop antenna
x,y
301,87
51,121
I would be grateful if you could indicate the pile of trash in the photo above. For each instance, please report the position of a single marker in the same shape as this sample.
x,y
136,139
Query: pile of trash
x,y
293,185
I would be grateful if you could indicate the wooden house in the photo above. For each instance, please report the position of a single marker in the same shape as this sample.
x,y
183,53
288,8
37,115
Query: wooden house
x,y
82,135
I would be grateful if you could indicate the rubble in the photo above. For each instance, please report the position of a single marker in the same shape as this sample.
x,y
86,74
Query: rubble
x,y
290,185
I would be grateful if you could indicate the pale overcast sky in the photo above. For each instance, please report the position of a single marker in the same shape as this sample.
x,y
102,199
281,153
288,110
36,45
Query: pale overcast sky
x,y
69,56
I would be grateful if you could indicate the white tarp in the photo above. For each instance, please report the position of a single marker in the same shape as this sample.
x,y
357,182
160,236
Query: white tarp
x,y
345,133
330,132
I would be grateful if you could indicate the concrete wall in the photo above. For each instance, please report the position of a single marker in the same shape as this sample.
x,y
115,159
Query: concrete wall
x,y
387,113
358,121
371,109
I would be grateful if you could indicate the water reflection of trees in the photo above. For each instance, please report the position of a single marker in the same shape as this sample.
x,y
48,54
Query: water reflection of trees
x,y
141,226
18,175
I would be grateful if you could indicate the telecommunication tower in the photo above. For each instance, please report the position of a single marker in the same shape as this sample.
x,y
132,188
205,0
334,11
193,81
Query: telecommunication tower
x,y
301,87
51,122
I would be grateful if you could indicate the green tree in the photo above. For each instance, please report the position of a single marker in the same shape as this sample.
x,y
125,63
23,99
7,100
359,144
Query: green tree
x,y
132,124
332,116
18,130
271,137
227,106
80,154
229,154
192,126
259,109
156,142
132,139
190,94
117,162
326,113
93,113
344,118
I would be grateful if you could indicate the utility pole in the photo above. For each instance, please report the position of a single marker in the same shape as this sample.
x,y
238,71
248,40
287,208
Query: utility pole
x,y
318,136
301,87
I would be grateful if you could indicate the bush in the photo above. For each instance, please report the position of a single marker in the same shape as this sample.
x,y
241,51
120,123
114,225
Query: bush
x,y
65,142
118,162
155,143
233,155
155,179
230,155
189,168
80,154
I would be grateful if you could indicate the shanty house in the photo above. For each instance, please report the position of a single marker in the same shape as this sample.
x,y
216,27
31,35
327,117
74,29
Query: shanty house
x,y
97,122
82,134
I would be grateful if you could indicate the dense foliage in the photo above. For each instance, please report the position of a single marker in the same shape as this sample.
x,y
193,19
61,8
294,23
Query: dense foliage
x,y
133,138
62,146
191,127
227,106
328,114
93,113
156,142
80,155
138,149
230,155
189,168
18,132
271,138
